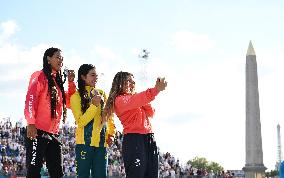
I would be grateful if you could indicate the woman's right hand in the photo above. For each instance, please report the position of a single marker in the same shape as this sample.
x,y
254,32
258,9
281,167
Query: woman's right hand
x,y
31,131
96,100
161,84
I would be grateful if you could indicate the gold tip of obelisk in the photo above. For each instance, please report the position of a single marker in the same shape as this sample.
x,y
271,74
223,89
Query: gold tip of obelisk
x,y
250,50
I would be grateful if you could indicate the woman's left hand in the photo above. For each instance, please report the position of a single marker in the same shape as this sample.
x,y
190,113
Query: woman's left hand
x,y
71,75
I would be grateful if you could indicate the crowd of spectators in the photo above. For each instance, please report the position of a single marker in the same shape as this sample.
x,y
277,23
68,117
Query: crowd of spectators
x,y
12,157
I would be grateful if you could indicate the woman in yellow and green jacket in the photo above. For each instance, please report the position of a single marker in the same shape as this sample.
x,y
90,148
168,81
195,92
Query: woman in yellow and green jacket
x,y
92,135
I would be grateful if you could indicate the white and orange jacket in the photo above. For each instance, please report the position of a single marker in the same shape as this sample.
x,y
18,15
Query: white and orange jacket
x,y
37,105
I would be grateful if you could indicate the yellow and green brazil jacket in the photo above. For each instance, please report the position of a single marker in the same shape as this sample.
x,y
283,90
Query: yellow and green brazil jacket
x,y
90,130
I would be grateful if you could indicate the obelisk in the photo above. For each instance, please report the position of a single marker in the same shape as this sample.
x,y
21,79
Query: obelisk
x,y
254,167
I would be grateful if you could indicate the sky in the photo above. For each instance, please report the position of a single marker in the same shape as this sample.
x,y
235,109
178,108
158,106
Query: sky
x,y
199,46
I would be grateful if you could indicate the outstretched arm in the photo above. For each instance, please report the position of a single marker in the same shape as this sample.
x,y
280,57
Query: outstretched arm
x,y
127,102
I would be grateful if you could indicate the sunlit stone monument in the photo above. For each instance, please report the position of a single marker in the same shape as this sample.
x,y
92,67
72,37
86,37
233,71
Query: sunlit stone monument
x,y
254,167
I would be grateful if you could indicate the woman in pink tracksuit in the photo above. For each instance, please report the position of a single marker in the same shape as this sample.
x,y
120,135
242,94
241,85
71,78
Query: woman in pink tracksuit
x,y
45,101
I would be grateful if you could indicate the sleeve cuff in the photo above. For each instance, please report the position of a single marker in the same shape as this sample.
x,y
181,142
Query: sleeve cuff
x,y
154,91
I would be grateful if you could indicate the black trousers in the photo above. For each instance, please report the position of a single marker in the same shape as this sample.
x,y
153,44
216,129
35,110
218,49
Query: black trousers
x,y
140,156
45,147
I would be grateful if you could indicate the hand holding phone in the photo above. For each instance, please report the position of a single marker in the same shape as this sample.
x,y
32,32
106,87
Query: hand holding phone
x,y
71,75
95,97
161,84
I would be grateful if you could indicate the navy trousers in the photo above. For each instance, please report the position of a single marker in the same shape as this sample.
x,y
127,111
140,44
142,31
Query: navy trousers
x,y
140,155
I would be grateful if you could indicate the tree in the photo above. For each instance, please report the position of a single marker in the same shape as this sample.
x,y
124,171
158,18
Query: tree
x,y
202,163
272,173
199,163
215,167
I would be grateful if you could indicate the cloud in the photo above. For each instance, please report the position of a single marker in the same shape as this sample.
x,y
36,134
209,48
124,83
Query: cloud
x,y
189,42
8,28
105,53
135,51
17,62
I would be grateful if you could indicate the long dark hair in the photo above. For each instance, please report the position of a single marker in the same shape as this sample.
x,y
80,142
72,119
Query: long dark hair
x,y
85,99
117,88
47,70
